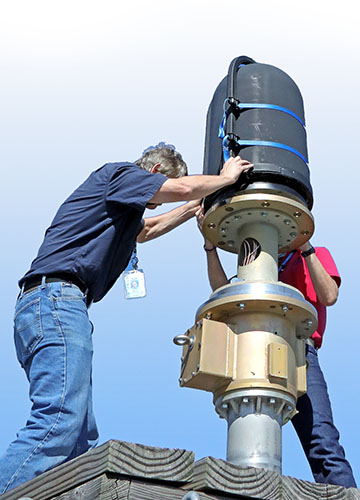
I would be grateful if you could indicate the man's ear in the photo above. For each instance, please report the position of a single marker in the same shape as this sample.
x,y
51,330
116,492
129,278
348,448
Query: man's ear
x,y
155,168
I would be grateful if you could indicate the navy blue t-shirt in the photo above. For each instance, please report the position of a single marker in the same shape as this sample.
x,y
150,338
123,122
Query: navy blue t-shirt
x,y
94,231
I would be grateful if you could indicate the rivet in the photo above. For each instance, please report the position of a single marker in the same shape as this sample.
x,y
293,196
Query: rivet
x,y
241,305
211,225
265,204
285,308
208,315
293,235
297,214
287,221
305,232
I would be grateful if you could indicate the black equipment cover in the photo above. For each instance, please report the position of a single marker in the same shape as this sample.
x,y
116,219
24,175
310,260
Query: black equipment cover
x,y
280,165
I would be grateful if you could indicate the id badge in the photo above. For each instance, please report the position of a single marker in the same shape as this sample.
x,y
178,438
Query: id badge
x,y
134,283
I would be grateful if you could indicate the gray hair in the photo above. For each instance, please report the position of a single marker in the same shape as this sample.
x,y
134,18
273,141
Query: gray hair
x,y
172,164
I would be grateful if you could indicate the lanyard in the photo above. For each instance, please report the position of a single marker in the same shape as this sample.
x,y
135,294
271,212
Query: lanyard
x,y
285,261
134,258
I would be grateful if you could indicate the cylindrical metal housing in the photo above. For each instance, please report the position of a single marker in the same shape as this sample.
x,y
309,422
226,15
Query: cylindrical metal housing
x,y
265,266
254,421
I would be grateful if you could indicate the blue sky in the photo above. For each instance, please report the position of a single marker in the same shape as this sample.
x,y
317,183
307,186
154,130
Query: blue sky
x,y
88,82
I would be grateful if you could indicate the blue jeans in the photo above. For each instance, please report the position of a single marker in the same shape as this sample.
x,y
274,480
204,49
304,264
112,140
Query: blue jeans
x,y
316,430
53,339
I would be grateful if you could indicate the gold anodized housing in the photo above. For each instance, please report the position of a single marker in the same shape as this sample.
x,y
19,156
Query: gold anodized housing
x,y
249,337
223,221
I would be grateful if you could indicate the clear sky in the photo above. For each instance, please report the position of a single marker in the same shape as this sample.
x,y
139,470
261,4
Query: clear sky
x,y
88,82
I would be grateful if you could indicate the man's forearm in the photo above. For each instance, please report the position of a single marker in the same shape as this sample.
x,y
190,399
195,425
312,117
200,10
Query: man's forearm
x,y
325,286
162,224
189,188
199,186
216,273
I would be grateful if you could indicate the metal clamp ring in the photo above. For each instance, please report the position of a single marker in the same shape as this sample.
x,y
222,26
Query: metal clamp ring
x,y
182,340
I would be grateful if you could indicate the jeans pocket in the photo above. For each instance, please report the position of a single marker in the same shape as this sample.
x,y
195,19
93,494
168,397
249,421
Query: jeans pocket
x,y
69,291
27,330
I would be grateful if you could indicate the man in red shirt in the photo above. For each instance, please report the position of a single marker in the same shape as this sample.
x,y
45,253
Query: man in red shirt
x,y
314,273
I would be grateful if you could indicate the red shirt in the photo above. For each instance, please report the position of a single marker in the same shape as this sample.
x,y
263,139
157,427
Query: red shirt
x,y
296,273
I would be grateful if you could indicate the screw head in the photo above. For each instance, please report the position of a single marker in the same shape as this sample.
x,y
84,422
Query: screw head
x,y
211,225
265,204
285,308
297,214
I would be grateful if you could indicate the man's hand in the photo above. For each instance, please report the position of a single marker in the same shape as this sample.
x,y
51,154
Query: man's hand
x,y
200,218
234,167
194,206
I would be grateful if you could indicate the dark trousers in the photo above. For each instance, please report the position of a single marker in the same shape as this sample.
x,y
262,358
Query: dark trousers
x,y
316,430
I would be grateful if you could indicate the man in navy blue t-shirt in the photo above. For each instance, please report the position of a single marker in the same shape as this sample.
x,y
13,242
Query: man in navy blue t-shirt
x,y
87,246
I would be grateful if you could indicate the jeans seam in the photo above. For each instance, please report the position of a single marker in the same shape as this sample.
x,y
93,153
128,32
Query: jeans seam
x,y
53,427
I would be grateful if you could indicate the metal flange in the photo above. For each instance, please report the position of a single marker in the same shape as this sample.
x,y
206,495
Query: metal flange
x,y
261,297
293,220
280,403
